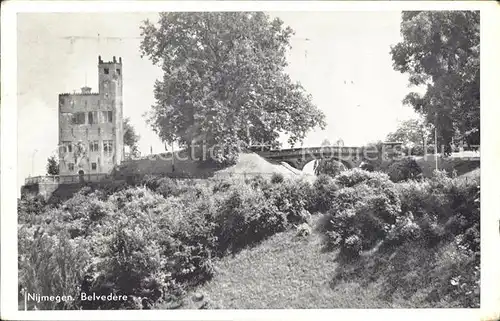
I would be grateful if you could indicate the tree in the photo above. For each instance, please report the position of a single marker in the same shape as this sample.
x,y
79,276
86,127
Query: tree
x,y
326,142
440,50
415,134
330,167
130,138
52,165
224,80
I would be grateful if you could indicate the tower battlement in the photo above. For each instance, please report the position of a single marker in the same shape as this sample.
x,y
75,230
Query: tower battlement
x,y
114,61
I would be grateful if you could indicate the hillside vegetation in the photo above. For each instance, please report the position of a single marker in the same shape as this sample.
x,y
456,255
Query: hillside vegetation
x,y
356,240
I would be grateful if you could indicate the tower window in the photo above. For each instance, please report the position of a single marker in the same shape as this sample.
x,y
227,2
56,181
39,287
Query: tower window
x,y
106,71
71,166
118,71
93,117
94,146
108,147
78,118
66,147
107,116
94,166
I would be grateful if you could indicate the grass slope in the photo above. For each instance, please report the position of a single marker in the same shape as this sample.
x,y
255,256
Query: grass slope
x,y
284,271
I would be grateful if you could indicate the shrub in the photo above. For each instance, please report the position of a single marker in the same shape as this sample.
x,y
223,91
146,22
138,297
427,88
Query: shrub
x,y
292,198
30,206
168,187
246,217
356,176
277,178
362,213
51,263
404,169
322,194
258,182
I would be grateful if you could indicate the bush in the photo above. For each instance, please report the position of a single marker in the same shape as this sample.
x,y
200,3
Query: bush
x,y
246,217
258,182
362,213
51,263
356,176
323,194
30,206
404,169
292,198
277,178
444,208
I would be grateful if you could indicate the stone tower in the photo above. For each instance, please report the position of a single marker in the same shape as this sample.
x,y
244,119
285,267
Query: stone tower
x,y
91,124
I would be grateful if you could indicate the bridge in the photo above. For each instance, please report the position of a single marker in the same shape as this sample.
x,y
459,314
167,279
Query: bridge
x,y
351,157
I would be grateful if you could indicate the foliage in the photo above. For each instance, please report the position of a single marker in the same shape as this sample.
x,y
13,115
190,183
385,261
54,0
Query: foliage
x,y
154,241
362,212
29,206
51,264
329,167
277,178
157,241
292,198
224,81
404,169
440,50
326,142
52,165
247,217
355,176
430,254
130,138
323,193
415,135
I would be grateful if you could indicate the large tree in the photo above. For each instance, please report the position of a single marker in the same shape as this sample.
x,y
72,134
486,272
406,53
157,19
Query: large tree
x,y
415,134
224,80
440,50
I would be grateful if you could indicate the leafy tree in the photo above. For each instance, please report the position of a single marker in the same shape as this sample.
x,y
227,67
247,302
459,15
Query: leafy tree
x,y
52,165
224,80
415,134
328,167
130,138
440,50
326,142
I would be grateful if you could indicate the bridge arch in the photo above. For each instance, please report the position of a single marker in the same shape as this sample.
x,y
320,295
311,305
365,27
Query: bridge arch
x,y
300,163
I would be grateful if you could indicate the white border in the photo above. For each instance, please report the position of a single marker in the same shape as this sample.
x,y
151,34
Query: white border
x,y
490,154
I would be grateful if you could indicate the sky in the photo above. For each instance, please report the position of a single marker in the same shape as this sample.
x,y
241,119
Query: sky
x,y
341,58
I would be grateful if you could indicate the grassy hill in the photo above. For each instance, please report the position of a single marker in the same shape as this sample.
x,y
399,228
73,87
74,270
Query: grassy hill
x,y
284,272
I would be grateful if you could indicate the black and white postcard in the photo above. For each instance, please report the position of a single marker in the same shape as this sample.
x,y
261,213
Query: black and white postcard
x,y
226,160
